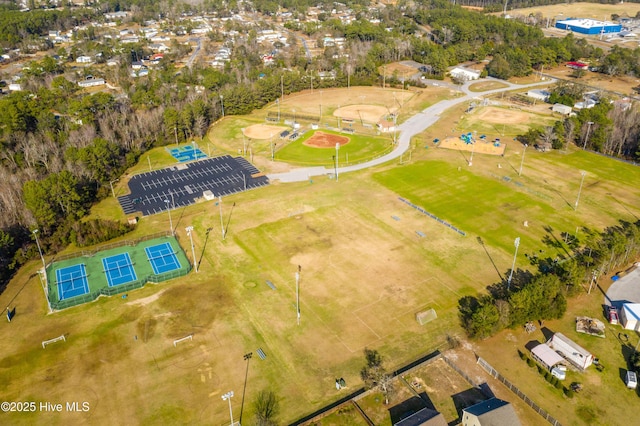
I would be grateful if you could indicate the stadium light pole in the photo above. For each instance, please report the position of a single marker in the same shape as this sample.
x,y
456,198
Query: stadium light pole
x,y
522,161
586,138
169,211
222,104
189,230
44,265
583,173
337,149
111,185
227,397
517,244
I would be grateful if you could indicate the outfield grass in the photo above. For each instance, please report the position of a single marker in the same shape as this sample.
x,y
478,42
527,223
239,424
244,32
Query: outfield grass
x,y
365,273
360,148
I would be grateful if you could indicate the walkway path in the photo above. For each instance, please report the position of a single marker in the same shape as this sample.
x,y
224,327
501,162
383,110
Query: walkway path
x,y
413,126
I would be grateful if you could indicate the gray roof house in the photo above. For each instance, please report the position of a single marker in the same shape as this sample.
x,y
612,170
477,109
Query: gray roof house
x,y
492,412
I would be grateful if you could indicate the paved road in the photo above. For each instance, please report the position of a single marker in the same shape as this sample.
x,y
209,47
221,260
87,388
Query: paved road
x,y
413,126
195,53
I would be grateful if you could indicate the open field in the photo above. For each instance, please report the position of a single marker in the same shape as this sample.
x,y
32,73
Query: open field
x,y
579,10
365,272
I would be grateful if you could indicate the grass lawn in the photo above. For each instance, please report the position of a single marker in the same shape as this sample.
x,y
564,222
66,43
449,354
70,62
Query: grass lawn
x,y
360,148
365,273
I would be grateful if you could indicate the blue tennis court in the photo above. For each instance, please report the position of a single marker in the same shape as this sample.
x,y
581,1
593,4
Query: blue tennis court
x,y
162,258
187,153
72,281
119,269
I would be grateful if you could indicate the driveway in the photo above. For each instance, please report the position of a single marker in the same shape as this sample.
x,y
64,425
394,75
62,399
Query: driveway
x,y
625,290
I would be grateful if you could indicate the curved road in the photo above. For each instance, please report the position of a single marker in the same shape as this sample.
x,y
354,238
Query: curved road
x,y
413,126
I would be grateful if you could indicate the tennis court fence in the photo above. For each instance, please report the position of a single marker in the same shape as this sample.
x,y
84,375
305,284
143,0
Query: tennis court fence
x,y
123,243
110,291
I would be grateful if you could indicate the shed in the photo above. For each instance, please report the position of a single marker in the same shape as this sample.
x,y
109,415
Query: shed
x,y
630,316
571,351
541,95
546,356
562,109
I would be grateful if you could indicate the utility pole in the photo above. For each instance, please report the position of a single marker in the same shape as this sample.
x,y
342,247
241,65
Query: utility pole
x,y
522,161
586,139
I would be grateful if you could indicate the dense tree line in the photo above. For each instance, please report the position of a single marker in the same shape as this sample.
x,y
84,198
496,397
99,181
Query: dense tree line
x,y
19,28
543,295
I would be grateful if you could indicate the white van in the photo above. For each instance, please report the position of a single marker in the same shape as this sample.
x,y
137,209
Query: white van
x,y
560,374
631,379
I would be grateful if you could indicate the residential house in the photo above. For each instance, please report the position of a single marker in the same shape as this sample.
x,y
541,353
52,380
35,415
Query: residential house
x,y
84,59
570,350
424,417
539,94
91,82
562,109
492,412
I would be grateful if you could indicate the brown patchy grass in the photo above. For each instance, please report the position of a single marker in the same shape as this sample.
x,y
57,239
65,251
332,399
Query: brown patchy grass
x,y
579,10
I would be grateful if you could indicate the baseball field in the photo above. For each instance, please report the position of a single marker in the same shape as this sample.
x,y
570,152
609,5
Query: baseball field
x,y
367,263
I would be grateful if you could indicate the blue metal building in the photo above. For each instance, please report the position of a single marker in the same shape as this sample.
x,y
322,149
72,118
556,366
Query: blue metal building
x,y
589,26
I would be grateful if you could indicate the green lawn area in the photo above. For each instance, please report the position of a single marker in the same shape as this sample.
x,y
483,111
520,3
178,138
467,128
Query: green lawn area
x,y
360,148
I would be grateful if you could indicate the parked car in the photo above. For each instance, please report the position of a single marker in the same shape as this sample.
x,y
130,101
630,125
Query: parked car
x,y
612,315
556,372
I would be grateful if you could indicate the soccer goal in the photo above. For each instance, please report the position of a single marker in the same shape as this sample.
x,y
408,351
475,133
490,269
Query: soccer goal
x,y
424,317
57,339
182,339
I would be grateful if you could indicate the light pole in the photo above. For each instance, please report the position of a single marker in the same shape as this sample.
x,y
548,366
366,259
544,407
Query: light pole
x,y
44,265
227,397
517,244
298,292
583,173
189,230
221,221
281,86
522,161
586,138
111,185
337,149
222,104
169,211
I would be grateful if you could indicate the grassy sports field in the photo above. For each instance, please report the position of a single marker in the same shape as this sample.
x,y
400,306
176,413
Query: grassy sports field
x,y
358,148
365,272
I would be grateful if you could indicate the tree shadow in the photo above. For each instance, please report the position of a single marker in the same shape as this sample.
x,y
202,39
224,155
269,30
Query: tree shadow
x,y
622,205
502,289
481,242
467,398
547,333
